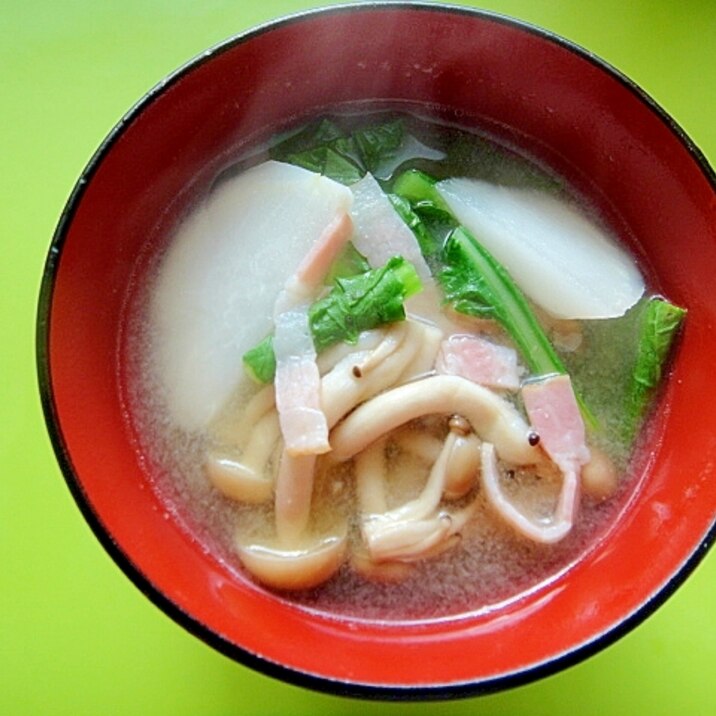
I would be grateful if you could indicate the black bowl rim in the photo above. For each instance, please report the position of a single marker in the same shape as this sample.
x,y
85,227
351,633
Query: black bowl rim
x,y
391,692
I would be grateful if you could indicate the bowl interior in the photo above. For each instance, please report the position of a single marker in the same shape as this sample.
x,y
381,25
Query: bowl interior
x,y
569,111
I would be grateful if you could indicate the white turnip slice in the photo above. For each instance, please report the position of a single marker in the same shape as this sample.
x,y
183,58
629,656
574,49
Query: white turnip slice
x,y
560,258
228,262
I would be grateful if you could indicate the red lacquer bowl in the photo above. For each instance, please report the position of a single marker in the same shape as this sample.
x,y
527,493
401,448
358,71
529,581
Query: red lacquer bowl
x,y
523,85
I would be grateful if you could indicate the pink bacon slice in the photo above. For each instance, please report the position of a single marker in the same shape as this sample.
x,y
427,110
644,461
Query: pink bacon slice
x,y
298,382
554,413
324,252
480,361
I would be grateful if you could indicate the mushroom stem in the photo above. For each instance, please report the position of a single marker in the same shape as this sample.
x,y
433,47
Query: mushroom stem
x,y
490,416
404,540
387,347
245,479
294,488
463,466
414,530
343,388
341,391
370,472
564,513
257,408
283,565
423,361
428,500
416,539
295,559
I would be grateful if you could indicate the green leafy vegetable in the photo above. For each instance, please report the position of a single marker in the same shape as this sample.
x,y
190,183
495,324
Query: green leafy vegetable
x,y
308,137
355,304
659,325
349,263
430,246
474,282
327,161
260,361
364,301
419,189
324,148
378,142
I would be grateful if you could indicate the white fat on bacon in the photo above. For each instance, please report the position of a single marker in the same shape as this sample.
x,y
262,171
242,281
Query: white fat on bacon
x,y
380,234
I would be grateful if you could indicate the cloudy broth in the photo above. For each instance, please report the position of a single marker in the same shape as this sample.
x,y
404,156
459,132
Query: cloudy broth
x,y
489,563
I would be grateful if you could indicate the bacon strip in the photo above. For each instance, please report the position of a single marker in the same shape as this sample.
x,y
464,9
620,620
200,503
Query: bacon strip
x,y
554,413
480,361
298,382
325,251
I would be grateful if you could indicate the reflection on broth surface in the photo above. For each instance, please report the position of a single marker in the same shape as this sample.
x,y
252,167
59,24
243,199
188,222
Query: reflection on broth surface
x,y
394,369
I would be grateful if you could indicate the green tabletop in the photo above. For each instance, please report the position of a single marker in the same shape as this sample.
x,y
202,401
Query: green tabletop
x,y
76,637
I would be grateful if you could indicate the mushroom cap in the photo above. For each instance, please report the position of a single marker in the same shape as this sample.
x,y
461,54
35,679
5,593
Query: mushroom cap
x,y
301,567
238,481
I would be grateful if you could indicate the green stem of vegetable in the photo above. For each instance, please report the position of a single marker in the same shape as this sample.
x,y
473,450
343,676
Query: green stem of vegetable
x,y
355,304
474,282
509,304
419,189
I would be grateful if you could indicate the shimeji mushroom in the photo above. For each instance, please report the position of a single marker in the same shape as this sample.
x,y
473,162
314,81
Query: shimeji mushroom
x,y
419,528
464,463
416,529
244,479
599,476
296,558
491,417
300,568
562,519
370,488
553,410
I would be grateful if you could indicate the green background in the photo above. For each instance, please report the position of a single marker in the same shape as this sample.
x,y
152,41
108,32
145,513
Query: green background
x,y
76,637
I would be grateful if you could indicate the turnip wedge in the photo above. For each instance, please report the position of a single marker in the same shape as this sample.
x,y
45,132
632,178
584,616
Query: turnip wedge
x,y
560,259
230,259
381,233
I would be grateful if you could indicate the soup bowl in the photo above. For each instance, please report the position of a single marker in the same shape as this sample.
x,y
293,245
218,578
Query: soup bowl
x,y
530,90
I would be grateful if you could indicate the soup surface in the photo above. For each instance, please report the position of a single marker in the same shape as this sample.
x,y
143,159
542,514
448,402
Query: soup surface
x,y
482,345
